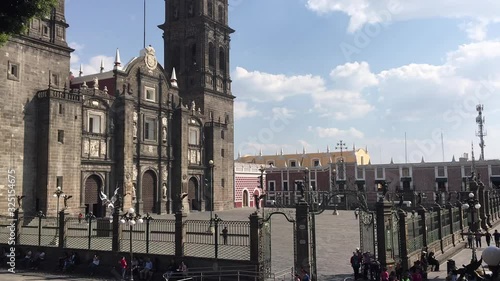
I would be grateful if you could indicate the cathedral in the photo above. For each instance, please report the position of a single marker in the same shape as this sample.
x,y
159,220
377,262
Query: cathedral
x,y
161,136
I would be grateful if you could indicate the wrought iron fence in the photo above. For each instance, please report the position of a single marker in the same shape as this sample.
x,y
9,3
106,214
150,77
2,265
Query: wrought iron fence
x,y
161,237
368,232
446,222
92,234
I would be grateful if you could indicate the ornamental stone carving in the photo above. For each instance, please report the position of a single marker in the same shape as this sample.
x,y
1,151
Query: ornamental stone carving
x,y
103,148
164,173
86,148
134,173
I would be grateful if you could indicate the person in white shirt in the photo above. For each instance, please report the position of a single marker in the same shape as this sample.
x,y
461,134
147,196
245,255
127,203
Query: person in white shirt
x,y
94,264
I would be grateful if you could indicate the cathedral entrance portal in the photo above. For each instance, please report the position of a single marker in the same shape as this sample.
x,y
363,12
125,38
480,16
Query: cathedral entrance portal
x,y
193,195
149,192
93,188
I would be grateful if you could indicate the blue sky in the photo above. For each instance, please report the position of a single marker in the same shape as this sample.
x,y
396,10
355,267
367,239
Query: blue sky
x,y
308,73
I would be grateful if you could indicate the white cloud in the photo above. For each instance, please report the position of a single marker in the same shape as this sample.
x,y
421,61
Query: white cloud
x,y
353,76
363,12
335,132
93,65
241,110
260,86
282,113
476,30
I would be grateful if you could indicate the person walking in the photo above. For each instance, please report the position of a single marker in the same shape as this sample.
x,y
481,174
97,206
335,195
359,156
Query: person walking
x,y
224,235
123,266
496,236
355,263
478,239
384,275
470,240
487,236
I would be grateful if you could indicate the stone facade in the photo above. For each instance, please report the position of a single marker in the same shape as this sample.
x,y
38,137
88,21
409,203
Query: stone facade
x,y
197,37
29,63
135,128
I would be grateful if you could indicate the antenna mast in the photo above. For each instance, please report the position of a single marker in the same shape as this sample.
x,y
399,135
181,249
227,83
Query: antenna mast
x,y
482,132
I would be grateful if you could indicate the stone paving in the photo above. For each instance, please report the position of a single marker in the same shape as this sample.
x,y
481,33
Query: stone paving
x,y
337,236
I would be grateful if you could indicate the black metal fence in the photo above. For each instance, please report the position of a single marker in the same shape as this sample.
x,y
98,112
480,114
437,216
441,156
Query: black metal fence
x,y
201,238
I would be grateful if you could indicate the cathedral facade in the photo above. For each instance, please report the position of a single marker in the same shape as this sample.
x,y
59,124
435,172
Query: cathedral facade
x,y
162,137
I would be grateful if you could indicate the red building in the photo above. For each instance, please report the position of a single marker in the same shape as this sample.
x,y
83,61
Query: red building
x,y
247,184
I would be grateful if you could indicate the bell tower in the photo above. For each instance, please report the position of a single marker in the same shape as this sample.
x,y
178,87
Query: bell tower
x,y
197,43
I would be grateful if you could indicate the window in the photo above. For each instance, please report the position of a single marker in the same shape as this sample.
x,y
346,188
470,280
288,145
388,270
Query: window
x,y
54,79
60,136
13,71
406,172
361,186
226,120
379,173
222,59
193,136
59,182
45,30
94,124
193,54
272,185
360,174
313,185
441,186
61,109
406,186
441,171
270,163
293,163
222,134
190,9
285,186
222,182
149,129
149,94
222,152
362,160
316,163
211,55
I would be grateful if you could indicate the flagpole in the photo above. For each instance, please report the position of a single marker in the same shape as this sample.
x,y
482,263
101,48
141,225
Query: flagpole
x,y
144,42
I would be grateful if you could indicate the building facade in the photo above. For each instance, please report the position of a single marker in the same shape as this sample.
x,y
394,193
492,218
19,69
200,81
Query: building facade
x,y
247,184
336,182
135,127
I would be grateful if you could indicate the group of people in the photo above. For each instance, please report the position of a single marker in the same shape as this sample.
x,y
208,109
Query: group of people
x,y
302,276
33,260
364,266
477,237
143,268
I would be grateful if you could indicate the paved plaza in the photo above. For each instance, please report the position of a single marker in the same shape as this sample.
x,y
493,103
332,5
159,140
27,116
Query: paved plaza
x,y
337,236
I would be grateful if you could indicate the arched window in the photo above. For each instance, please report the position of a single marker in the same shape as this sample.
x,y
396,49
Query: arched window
x,y
220,14
210,8
222,134
222,59
211,55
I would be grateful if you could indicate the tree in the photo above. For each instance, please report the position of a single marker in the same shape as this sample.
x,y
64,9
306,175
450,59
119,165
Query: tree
x,y
15,15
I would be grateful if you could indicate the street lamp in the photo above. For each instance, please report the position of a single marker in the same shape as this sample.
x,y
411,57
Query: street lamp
x,y
473,204
58,193
262,170
89,217
211,165
306,184
131,218
147,218
491,256
40,215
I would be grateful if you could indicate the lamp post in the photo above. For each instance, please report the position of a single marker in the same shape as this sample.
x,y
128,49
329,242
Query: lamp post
x,y
58,193
262,170
131,218
473,204
491,256
40,215
89,217
147,218
211,165
216,221
306,184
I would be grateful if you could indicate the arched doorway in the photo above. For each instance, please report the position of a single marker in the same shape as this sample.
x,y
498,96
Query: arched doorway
x,y
93,187
193,194
148,192
245,198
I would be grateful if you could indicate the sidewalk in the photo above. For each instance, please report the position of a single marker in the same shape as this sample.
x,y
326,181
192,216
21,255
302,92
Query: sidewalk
x,y
461,258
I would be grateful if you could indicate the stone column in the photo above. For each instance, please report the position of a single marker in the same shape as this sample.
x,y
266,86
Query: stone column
x,y
423,215
440,229
384,224
302,236
62,230
180,233
255,225
403,247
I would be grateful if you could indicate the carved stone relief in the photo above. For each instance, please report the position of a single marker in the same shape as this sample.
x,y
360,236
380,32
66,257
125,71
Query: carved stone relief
x,y
94,148
86,148
134,173
164,173
103,148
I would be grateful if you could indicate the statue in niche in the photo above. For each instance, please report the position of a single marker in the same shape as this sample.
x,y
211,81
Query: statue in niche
x,y
164,134
135,130
190,8
193,106
164,191
133,193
